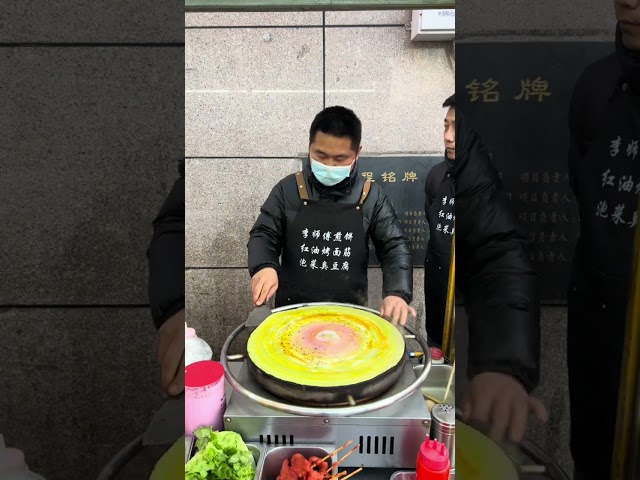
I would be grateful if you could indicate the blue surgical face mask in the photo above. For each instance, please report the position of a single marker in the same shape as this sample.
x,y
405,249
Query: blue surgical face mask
x,y
328,175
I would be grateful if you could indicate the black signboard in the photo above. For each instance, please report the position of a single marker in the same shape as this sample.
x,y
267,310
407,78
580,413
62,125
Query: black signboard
x,y
516,96
403,180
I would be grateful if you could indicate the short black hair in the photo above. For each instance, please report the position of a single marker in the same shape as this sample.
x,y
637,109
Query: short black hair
x,y
450,102
339,122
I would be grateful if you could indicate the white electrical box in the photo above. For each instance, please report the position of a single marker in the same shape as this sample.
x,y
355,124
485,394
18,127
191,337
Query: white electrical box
x,y
434,24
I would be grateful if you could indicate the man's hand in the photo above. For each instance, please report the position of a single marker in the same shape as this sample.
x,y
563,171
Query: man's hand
x,y
396,310
171,354
264,285
501,402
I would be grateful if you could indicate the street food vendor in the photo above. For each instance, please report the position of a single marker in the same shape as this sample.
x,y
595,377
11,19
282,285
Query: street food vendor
x,y
310,242
493,274
604,170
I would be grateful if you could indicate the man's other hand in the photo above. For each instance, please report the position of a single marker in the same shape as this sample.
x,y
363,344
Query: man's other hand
x,y
171,354
500,402
264,285
396,310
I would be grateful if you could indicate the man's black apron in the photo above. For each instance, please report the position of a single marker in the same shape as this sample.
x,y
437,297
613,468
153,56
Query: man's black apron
x,y
441,219
326,255
608,183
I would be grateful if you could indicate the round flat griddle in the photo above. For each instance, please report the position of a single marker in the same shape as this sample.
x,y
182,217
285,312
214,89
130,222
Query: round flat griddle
x,y
326,355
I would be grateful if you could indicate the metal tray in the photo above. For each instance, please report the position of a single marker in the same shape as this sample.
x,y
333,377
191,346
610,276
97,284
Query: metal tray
x,y
269,467
435,384
404,476
188,448
410,475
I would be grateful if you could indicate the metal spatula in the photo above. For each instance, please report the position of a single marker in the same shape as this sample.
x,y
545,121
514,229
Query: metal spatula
x,y
258,315
167,425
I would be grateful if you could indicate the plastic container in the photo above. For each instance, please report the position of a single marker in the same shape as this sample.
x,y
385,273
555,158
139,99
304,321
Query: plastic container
x,y
13,466
437,357
195,349
204,396
433,461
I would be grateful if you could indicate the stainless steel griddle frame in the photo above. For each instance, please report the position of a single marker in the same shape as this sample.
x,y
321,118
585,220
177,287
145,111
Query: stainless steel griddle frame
x,y
389,437
389,429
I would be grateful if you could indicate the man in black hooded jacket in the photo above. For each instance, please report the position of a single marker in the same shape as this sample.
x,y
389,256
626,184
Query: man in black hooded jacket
x,y
310,242
604,168
494,276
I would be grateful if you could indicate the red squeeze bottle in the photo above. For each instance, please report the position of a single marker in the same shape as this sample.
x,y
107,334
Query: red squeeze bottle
x,y
433,461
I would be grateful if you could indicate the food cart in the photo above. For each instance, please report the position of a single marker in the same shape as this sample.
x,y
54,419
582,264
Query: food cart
x,y
388,430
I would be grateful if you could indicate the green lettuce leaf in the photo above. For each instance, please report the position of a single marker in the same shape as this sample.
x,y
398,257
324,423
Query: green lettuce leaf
x,y
220,456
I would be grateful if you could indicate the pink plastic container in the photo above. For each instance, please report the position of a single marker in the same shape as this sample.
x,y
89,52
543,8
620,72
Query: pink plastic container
x,y
204,396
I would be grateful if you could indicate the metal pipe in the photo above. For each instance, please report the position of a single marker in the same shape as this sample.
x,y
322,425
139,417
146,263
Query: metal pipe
x,y
626,461
118,462
312,5
448,344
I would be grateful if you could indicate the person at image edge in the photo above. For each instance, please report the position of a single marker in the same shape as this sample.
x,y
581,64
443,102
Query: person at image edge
x,y
494,277
604,170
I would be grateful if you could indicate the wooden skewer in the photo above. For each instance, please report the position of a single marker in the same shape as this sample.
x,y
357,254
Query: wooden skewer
x,y
336,451
451,377
336,476
353,473
343,458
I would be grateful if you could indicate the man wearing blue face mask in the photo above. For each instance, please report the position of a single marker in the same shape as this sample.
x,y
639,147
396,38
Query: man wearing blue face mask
x,y
310,241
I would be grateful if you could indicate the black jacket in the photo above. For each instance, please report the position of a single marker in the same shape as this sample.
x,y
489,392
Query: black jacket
x,y
493,269
439,206
605,104
268,235
166,256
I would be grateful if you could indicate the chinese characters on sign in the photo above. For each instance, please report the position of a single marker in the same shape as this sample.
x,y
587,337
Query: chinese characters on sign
x,y
529,84
488,91
484,90
402,179
533,88
548,212
317,255
414,225
391,177
413,218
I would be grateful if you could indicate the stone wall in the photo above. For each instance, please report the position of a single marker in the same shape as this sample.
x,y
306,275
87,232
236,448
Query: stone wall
x,y
92,127
254,82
